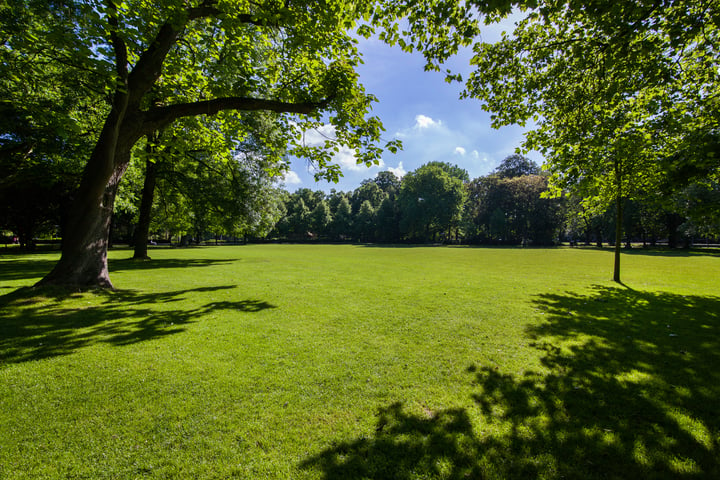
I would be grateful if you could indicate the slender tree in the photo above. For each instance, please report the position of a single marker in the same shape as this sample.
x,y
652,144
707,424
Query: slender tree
x,y
613,86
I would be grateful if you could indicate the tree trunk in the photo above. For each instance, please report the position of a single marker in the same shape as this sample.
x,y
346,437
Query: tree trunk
x,y
618,223
84,252
673,222
143,228
84,249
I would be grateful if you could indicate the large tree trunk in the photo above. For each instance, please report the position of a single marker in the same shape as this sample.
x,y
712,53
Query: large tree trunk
x,y
84,253
84,249
143,228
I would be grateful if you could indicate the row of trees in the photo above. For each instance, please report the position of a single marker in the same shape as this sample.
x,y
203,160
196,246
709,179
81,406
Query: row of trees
x,y
188,192
513,205
435,203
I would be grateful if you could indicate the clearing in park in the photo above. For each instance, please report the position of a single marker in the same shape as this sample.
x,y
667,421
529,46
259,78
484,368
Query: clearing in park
x,y
330,362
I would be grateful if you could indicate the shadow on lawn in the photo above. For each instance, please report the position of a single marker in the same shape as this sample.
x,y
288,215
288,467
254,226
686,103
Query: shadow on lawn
x,y
674,252
631,391
19,267
32,328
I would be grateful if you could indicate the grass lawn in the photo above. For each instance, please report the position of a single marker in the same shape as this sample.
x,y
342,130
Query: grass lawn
x,y
342,362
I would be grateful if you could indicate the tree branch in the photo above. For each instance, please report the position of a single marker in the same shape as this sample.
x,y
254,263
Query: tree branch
x,y
158,117
119,47
149,66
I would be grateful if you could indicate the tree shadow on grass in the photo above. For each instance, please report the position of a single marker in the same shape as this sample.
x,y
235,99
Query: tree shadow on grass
x,y
21,268
405,446
630,390
674,252
36,324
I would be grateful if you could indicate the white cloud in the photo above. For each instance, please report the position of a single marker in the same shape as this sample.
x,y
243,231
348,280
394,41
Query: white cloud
x,y
459,151
483,157
345,156
291,178
399,171
423,121
347,159
317,136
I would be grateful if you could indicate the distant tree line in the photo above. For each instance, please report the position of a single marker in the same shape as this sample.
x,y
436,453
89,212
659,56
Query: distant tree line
x,y
225,198
513,205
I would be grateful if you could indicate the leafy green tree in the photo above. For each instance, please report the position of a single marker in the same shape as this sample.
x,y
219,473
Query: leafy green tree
x,y
364,222
388,183
141,235
516,165
583,224
613,87
299,219
153,64
452,170
342,222
320,219
387,221
40,154
513,210
430,202
368,191
312,198
218,172
334,199
699,203
537,219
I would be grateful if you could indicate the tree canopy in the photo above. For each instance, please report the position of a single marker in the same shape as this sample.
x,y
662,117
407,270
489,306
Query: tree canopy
x,y
612,88
150,64
431,199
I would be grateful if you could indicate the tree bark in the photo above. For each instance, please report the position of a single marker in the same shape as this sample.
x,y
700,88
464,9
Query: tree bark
x,y
143,228
84,253
618,237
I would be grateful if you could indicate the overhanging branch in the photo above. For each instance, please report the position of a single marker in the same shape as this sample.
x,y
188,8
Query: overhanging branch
x,y
160,117
149,66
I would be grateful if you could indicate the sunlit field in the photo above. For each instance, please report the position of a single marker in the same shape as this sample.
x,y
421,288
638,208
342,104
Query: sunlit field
x,y
343,362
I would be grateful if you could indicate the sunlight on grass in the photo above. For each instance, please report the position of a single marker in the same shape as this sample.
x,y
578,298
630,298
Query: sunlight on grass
x,y
335,362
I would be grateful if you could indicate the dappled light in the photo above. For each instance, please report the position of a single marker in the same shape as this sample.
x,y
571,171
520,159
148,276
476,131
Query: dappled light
x,y
629,390
406,446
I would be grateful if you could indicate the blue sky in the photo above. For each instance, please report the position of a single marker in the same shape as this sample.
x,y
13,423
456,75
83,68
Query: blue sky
x,y
425,112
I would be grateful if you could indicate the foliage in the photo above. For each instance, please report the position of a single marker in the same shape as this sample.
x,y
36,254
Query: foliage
x,y
516,165
613,89
387,221
367,192
40,157
320,218
513,210
452,170
388,183
150,65
342,223
364,222
430,201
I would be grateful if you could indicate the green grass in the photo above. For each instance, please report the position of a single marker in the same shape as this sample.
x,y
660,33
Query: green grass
x,y
338,362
